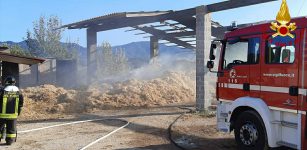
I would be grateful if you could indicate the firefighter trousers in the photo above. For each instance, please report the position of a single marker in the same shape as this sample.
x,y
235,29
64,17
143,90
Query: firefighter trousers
x,y
11,130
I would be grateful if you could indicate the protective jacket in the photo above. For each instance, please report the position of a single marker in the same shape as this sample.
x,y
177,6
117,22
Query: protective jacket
x,y
11,102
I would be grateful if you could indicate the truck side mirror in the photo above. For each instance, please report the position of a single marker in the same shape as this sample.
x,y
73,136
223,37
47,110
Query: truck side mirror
x,y
212,48
210,64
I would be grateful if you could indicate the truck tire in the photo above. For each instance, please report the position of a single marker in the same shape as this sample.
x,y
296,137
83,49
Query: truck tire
x,y
250,133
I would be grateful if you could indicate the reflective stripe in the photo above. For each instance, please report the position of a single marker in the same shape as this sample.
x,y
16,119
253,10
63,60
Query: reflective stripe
x,y
4,104
8,116
254,87
264,88
302,92
235,86
10,135
275,89
225,85
16,105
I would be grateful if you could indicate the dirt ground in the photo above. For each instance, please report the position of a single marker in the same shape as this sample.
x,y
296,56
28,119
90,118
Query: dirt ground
x,y
197,132
148,130
149,105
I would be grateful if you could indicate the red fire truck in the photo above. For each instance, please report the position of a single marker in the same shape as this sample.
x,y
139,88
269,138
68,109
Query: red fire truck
x,y
262,86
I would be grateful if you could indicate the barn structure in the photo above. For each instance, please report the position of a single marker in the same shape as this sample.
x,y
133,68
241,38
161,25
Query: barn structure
x,y
10,64
190,28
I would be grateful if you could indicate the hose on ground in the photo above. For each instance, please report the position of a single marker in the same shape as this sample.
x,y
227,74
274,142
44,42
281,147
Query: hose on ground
x,y
172,124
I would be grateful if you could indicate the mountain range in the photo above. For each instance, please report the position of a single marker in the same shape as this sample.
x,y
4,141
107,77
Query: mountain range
x,y
136,52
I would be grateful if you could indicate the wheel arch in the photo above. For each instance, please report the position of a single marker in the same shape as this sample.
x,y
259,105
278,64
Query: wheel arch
x,y
236,112
260,107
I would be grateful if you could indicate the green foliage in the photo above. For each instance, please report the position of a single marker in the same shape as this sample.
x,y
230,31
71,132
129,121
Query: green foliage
x,y
17,50
109,63
45,39
4,45
104,59
73,49
120,61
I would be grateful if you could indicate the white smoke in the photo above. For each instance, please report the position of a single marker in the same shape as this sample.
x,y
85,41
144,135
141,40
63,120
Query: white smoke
x,y
182,62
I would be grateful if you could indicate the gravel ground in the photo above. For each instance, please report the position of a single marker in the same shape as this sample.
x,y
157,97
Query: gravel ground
x,y
148,129
197,132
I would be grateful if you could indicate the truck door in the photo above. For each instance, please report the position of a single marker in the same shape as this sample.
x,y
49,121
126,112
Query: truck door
x,y
240,56
279,72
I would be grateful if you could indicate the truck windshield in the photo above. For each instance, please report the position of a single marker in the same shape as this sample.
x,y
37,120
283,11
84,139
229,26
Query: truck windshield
x,y
235,53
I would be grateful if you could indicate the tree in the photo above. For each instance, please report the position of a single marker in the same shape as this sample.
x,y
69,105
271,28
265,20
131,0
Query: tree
x,y
45,39
110,63
16,50
104,59
33,46
121,61
72,48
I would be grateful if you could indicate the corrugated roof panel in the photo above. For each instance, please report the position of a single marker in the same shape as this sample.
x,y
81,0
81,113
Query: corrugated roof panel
x,y
81,24
19,59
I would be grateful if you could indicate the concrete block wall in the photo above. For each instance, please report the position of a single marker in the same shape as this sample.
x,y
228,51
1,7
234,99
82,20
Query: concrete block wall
x,y
57,72
38,74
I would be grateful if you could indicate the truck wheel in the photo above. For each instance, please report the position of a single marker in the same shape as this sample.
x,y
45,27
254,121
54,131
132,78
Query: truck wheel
x,y
250,132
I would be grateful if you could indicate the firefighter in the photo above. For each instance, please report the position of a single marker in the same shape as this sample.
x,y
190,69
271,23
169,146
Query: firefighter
x,y
11,102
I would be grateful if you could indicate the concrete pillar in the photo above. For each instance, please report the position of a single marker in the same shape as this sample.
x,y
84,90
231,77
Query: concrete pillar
x,y
37,73
203,42
10,69
154,47
91,36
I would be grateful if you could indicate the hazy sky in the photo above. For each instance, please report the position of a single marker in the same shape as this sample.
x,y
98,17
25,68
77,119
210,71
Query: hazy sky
x,y
18,15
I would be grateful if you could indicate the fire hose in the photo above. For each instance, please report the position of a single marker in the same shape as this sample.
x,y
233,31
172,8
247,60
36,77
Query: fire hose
x,y
172,124
83,121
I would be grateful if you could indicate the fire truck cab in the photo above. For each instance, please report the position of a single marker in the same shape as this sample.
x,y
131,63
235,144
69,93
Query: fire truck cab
x,y
262,86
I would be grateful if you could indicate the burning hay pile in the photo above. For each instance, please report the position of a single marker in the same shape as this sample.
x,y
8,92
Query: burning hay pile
x,y
170,88
165,83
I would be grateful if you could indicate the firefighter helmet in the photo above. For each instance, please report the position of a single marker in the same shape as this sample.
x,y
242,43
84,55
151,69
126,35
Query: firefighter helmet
x,y
9,80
